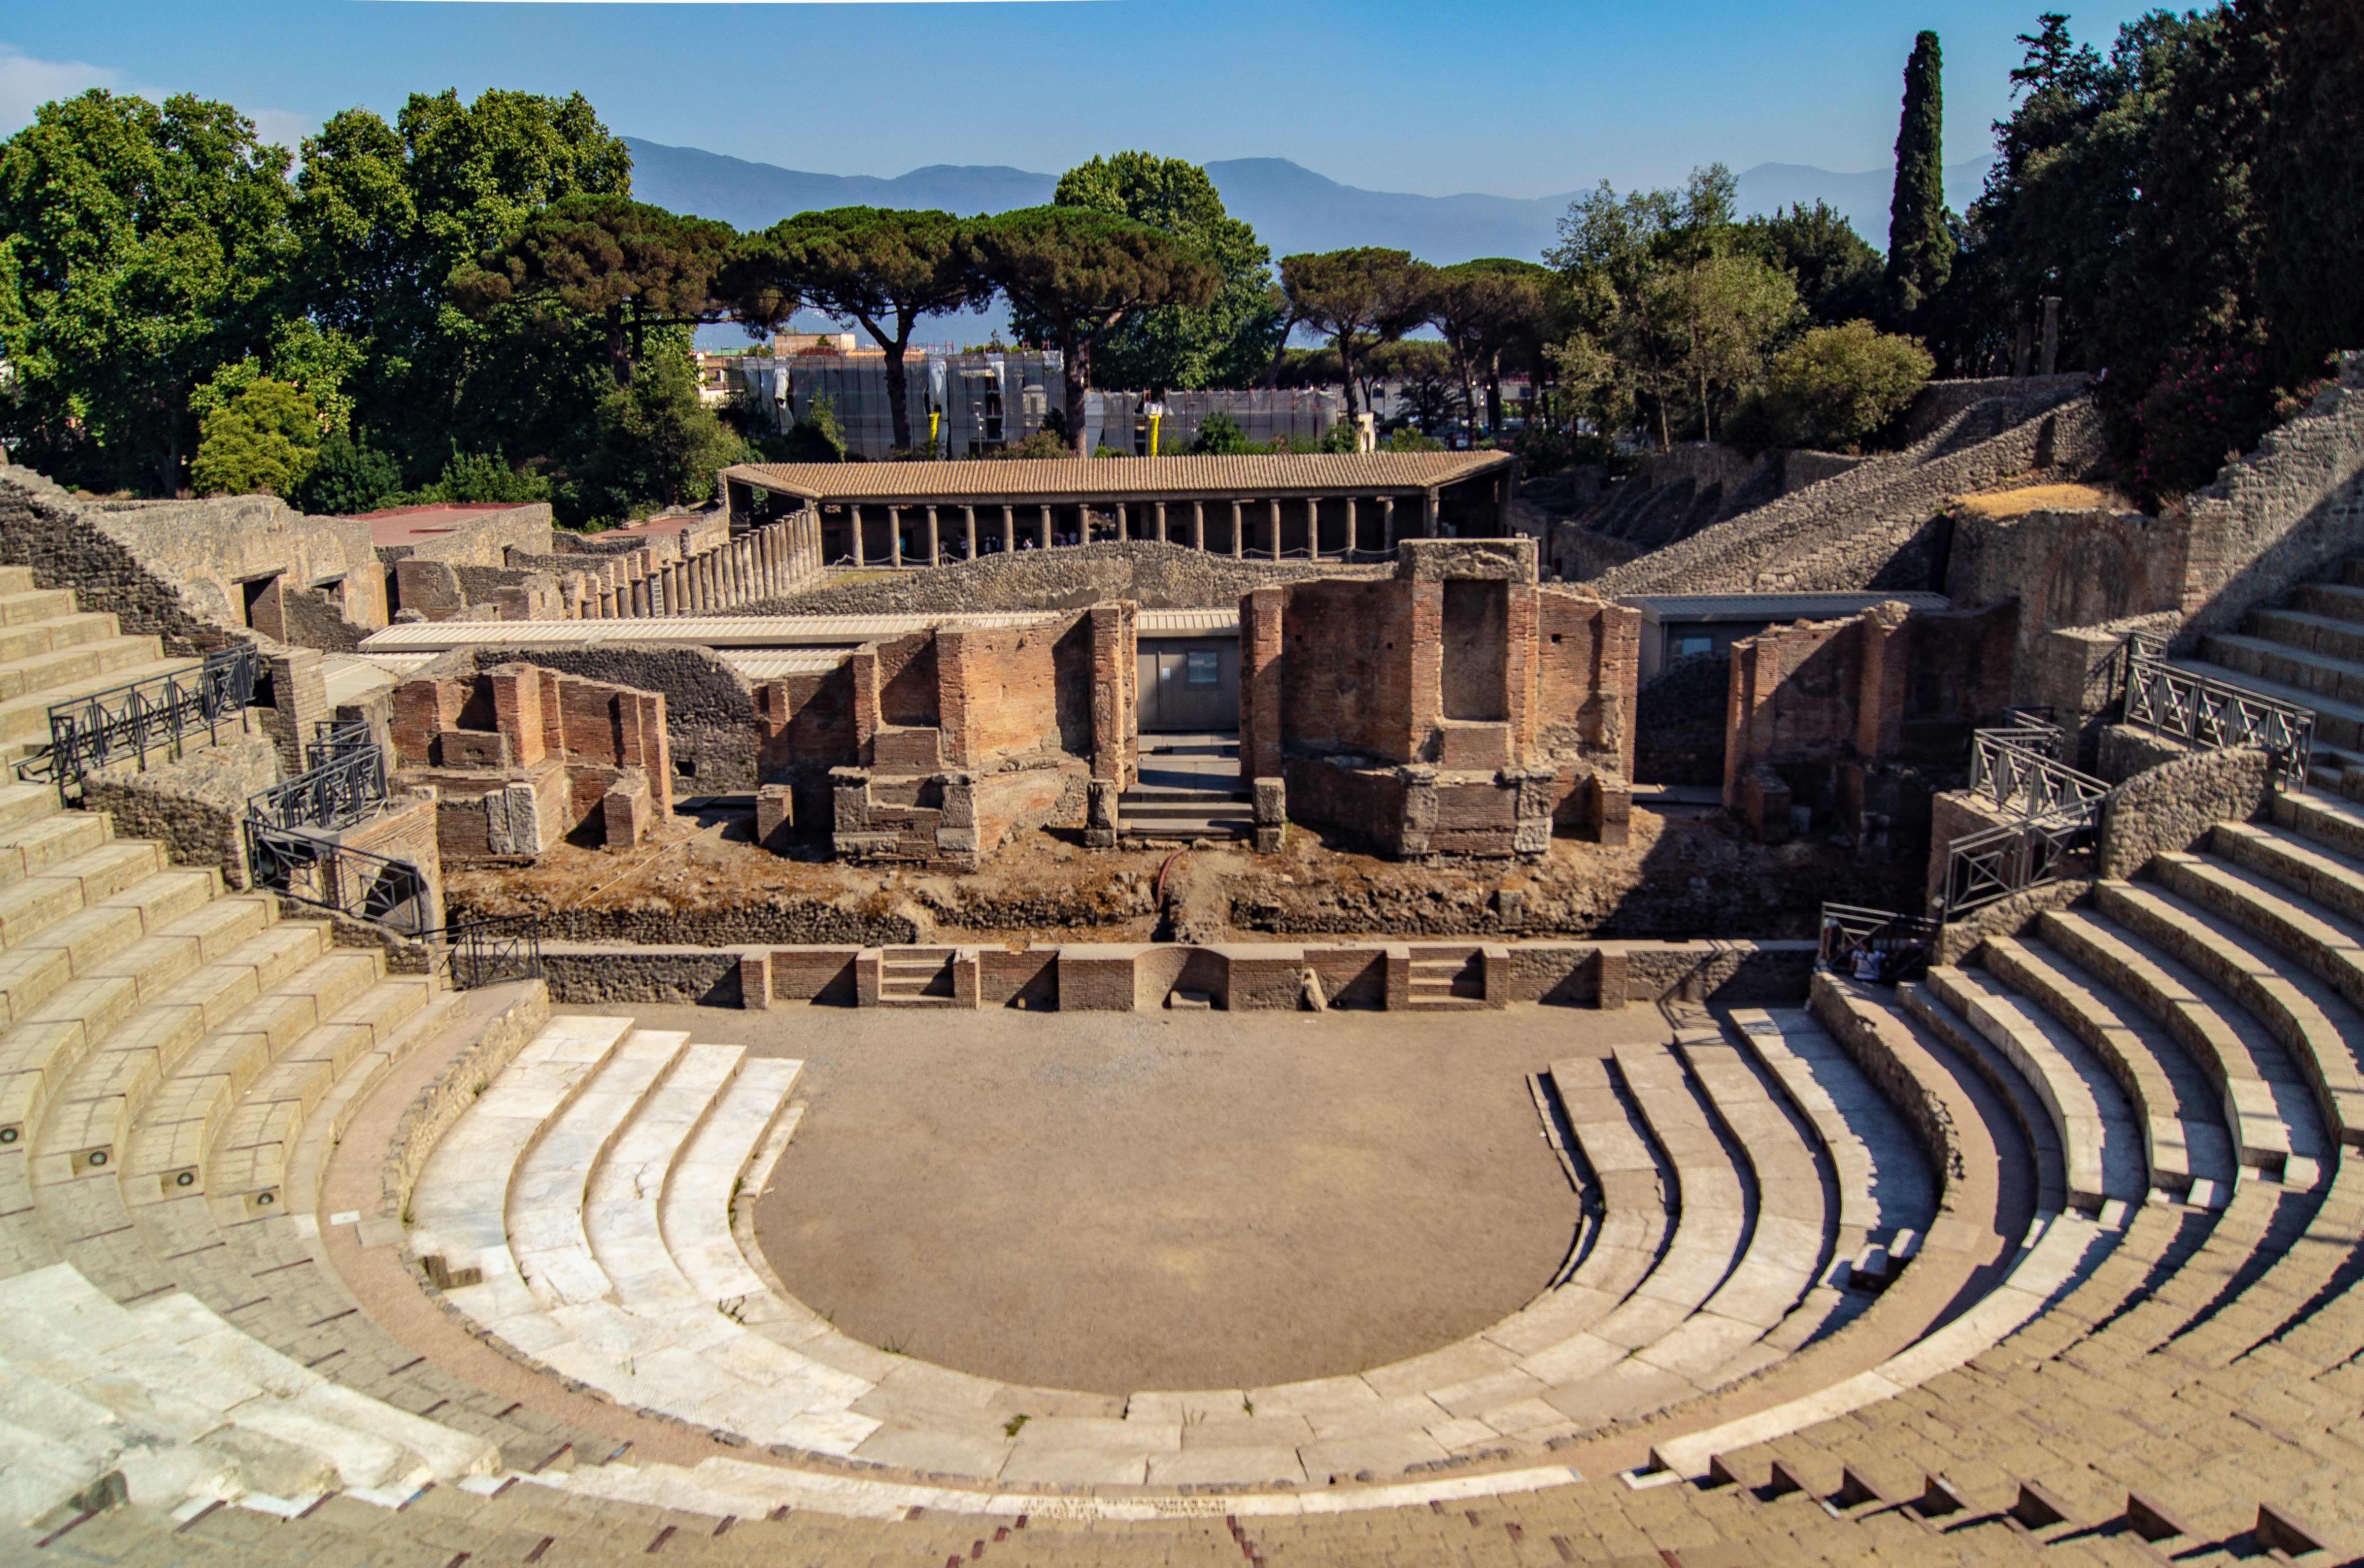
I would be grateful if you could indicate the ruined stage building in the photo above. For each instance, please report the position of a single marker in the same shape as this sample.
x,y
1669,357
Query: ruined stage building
x,y
1319,507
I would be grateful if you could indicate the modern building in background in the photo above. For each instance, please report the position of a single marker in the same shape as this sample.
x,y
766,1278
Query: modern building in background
x,y
986,401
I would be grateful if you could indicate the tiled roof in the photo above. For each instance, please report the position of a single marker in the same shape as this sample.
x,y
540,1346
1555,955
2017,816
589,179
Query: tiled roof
x,y
1219,622
1118,478
705,631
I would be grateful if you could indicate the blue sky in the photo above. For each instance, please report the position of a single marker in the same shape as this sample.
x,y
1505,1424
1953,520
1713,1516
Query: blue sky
x,y
1522,98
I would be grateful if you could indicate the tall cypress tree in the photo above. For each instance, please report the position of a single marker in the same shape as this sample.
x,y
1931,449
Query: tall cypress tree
x,y
1920,244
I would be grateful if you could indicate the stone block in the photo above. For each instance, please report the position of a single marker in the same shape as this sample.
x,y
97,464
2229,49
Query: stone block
x,y
868,846
513,819
956,840
1611,809
776,817
627,811
473,749
1765,805
1439,560
1101,803
1612,985
1271,806
1267,840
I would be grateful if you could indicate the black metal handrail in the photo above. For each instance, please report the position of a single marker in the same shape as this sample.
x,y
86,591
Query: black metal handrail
x,y
2212,714
2015,776
333,738
1881,945
2037,850
329,875
338,792
89,733
486,952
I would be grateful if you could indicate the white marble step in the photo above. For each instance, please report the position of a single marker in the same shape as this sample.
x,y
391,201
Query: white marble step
x,y
1885,1184
169,1373
459,1205
652,1162
544,1206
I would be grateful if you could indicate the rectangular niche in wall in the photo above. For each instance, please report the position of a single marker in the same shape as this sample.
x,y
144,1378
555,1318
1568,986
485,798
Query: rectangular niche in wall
x,y
1477,677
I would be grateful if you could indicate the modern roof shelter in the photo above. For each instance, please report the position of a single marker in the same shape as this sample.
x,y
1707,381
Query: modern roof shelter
x,y
1324,506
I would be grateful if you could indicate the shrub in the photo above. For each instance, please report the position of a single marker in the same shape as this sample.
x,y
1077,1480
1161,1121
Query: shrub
x,y
1833,388
260,442
349,477
1220,436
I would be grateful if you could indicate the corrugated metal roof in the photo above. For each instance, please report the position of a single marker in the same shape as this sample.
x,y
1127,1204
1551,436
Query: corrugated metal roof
x,y
1222,622
1770,607
1118,478
700,631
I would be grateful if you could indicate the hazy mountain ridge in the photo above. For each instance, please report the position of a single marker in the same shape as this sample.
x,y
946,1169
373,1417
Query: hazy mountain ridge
x,y
1291,208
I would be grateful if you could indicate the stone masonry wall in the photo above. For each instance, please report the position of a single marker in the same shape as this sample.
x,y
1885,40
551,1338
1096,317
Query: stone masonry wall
x,y
2281,514
192,806
2172,807
1876,526
181,568
1155,576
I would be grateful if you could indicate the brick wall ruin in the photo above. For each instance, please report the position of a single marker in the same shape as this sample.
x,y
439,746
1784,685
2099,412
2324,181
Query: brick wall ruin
x,y
1855,723
520,757
937,746
1454,708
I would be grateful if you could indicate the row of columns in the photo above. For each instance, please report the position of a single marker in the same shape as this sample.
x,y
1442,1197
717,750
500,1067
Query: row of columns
x,y
1158,525
766,562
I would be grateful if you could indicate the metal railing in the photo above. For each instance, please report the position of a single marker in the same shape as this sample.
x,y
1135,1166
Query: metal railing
x,y
1983,867
1879,945
342,789
486,952
330,875
2186,706
87,734
2016,776
334,739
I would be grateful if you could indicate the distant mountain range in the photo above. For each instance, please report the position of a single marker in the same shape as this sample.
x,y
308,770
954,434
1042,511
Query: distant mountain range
x,y
1291,208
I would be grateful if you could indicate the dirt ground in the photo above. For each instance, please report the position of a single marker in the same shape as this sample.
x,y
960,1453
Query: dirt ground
x,y
1204,1200
1688,873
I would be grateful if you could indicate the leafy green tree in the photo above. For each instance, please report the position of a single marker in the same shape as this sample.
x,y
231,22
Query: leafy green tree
x,y
1920,238
1219,435
1838,273
1360,299
1488,311
1227,343
652,442
883,268
623,264
258,441
384,214
1719,315
144,245
1081,274
1834,387
348,478
476,478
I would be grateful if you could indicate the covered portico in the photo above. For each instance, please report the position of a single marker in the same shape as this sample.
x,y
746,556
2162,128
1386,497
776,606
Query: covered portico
x,y
1314,507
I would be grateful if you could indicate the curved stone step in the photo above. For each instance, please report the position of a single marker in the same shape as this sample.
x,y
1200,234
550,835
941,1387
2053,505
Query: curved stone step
x,y
2299,865
2322,1034
2100,1143
542,1212
2336,824
2263,1096
2182,1116
1949,1028
1884,1182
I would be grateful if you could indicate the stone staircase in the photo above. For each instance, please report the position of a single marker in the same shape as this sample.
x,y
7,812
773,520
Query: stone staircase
x,y
1188,789
1447,978
916,977
2309,652
165,1049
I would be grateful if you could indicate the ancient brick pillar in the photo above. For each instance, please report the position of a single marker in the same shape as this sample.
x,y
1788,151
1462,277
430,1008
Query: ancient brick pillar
x,y
1261,650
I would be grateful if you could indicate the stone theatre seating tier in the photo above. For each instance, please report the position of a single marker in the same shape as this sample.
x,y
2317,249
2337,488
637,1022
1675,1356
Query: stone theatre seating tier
x,y
2309,652
2042,1260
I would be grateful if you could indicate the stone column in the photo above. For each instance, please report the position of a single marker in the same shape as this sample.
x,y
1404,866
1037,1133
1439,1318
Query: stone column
x,y
1008,530
1116,510
1353,528
1161,522
637,588
1313,528
968,529
701,584
2051,361
935,541
1198,524
1428,509
854,510
1237,527
1388,522
1273,509
1046,528
895,533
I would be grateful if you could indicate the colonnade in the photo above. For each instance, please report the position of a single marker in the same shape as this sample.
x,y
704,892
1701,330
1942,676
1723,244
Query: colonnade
x,y
962,532
766,561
